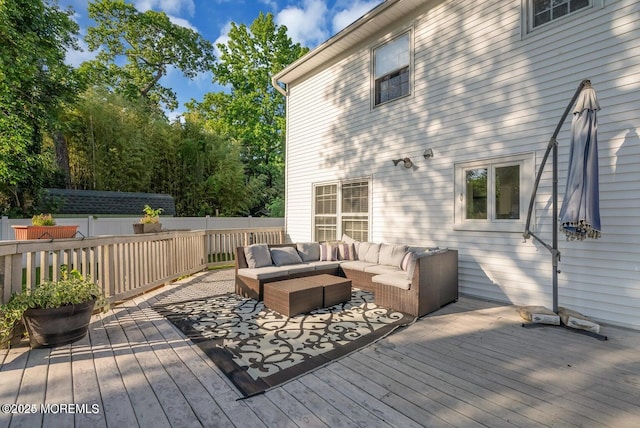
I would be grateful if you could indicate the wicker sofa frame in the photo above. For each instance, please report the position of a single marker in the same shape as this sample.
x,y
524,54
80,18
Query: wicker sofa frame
x,y
434,283
254,288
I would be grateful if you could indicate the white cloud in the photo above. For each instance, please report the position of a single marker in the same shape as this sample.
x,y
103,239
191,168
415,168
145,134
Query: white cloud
x,y
77,57
182,22
306,24
271,4
170,7
223,38
356,10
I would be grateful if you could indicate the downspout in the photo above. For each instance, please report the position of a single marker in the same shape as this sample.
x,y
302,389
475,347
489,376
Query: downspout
x,y
274,83
279,88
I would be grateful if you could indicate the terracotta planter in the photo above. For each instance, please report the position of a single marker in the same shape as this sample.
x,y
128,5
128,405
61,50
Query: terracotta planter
x,y
44,232
58,326
147,228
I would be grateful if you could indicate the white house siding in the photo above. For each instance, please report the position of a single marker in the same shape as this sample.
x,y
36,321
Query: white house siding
x,y
482,90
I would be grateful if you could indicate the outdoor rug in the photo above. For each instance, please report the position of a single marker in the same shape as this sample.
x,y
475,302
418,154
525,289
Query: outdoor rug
x,y
258,348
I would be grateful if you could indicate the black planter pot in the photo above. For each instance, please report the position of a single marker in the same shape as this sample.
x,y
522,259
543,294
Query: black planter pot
x,y
58,326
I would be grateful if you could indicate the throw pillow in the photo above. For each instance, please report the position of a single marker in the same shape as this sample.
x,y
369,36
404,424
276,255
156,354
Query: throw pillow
x,y
409,263
309,251
406,260
328,252
346,252
257,255
285,256
347,239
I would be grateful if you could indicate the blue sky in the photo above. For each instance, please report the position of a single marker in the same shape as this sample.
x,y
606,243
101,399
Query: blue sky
x,y
309,22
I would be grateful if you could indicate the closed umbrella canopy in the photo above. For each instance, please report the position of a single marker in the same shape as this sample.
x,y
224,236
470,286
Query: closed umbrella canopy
x,y
580,212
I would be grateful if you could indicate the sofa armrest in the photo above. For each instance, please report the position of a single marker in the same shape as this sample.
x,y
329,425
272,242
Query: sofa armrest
x,y
241,259
436,276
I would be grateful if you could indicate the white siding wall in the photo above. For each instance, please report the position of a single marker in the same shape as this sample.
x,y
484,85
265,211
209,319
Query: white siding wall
x,y
482,90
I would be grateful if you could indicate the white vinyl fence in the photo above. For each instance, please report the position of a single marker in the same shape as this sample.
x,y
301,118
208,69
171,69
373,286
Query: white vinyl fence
x,y
90,226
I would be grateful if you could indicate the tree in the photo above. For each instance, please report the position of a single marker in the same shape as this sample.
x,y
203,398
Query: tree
x,y
253,112
116,144
150,43
34,83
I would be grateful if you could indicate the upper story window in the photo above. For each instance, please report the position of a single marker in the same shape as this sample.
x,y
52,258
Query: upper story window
x,y
544,11
391,69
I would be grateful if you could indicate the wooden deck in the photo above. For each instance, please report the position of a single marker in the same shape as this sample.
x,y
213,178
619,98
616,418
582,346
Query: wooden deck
x,y
469,364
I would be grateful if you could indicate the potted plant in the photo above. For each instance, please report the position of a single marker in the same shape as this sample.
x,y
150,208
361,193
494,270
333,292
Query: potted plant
x,y
43,226
150,222
54,313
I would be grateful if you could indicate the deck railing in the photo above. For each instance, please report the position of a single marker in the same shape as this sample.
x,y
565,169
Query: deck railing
x,y
127,265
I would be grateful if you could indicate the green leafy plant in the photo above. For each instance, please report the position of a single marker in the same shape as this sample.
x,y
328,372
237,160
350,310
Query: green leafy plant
x,y
43,220
71,289
151,215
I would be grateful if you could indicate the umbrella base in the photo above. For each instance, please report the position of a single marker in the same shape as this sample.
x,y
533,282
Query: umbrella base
x,y
574,330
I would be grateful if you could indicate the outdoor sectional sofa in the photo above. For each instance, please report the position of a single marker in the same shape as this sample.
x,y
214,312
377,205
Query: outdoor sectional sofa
x,y
413,280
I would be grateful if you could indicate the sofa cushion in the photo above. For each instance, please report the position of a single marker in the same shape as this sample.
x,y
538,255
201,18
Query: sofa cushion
x,y
369,252
347,239
381,269
283,256
328,252
319,265
392,255
346,251
303,267
309,251
398,279
257,255
266,272
359,265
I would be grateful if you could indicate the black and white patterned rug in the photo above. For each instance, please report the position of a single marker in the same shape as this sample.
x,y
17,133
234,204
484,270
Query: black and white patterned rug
x,y
258,348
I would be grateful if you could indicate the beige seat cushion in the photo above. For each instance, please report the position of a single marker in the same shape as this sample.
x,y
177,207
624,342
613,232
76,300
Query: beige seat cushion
x,y
356,265
266,272
398,279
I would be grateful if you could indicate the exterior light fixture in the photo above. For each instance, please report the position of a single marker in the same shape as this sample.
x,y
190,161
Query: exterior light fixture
x,y
428,154
406,162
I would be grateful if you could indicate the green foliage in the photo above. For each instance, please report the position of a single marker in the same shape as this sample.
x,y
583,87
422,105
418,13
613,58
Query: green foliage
x,y
117,144
253,112
43,220
71,289
113,143
207,176
34,84
151,215
150,42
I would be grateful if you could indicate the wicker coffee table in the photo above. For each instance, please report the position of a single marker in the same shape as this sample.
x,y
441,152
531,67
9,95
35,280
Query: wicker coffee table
x,y
299,295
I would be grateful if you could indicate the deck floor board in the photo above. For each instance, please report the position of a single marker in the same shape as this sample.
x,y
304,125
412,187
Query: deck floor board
x,y
468,364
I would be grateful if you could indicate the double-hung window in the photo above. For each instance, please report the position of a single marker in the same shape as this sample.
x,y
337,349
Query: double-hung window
x,y
392,69
493,194
340,208
541,12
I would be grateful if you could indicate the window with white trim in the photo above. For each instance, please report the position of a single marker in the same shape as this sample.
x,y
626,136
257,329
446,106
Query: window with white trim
x,y
493,194
392,69
541,12
340,208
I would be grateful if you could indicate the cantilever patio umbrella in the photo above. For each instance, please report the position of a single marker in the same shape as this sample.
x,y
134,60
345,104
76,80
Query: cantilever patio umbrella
x,y
580,211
